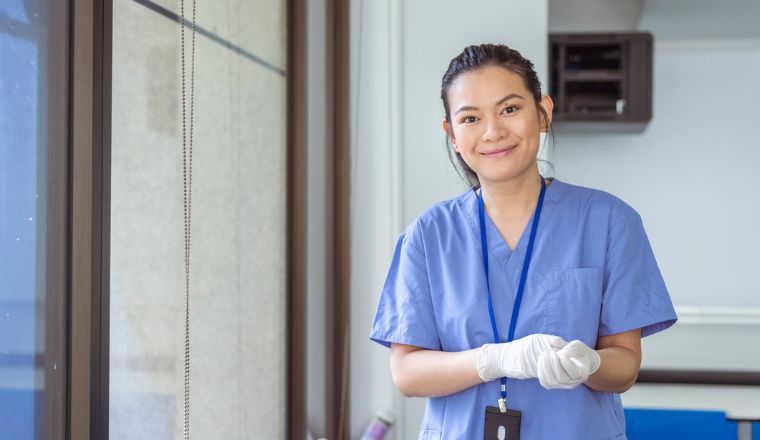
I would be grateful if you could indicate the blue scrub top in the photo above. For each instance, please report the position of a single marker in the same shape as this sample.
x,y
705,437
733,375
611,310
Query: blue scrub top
x,y
592,274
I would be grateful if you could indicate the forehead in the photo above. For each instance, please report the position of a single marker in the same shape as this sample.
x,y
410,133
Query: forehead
x,y
485,85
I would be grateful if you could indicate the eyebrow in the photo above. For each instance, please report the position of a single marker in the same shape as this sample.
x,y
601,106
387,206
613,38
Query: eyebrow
x,y
500,102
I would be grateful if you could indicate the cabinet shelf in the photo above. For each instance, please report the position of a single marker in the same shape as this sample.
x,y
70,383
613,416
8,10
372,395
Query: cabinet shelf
x,y
593,75
602,78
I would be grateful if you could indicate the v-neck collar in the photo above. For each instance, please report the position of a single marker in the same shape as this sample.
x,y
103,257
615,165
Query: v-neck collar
x,y
511,261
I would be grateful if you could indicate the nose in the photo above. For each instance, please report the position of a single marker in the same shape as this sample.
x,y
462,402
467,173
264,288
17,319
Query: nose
x,y
495,130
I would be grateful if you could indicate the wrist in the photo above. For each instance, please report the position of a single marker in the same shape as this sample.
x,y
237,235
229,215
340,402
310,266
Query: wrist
x,y
596,362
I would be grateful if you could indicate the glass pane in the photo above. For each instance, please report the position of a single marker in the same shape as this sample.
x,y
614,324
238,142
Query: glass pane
x,y
238,223
32,55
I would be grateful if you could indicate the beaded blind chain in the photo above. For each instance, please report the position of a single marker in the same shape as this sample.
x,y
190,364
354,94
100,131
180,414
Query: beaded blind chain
x,y
187,186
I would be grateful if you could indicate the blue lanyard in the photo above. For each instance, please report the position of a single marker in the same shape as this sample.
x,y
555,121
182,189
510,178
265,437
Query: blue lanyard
x,y
521,285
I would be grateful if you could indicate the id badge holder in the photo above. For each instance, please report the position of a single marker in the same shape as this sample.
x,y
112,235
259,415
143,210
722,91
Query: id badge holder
x,y
502,425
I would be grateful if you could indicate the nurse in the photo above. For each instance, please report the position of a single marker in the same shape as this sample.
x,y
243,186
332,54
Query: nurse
x,y
518,307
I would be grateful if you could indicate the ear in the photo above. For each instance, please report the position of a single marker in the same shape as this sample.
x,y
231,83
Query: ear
x,y
449,133
548,105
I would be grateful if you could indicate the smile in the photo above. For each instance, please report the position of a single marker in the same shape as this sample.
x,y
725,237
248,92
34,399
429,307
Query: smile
x,y
499,152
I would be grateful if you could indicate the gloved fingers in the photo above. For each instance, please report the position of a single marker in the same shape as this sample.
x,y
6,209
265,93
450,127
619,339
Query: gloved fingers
x,y
546,376
556,342
583,353
576,349
532,347
576,370
551,375
536,347
563,377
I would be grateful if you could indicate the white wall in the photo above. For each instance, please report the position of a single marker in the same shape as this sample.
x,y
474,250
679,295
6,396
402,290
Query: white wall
x,y
594,15
694,19
400,51
372,211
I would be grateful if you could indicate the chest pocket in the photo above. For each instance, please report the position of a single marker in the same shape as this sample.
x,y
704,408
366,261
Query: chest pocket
x,y
573,303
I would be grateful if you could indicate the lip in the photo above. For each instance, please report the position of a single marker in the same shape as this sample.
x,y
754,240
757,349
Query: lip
x,y
499,152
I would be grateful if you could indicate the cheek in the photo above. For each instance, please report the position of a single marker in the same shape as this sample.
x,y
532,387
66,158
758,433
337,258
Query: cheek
x,y
528,129
461,138
464,136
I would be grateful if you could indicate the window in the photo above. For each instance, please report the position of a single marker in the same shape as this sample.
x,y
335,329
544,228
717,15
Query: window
x,y
238,289
32,218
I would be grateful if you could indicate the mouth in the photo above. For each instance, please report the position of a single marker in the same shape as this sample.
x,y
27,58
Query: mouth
x,y
499,152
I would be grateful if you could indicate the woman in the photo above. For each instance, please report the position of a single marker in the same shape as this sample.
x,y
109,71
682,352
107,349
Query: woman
x,y
526,295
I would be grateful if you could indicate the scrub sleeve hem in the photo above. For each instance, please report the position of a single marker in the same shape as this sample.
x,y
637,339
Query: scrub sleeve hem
x,y
386,339
647,327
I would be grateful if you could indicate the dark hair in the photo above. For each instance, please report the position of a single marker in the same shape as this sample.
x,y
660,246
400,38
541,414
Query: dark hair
x,y
478,57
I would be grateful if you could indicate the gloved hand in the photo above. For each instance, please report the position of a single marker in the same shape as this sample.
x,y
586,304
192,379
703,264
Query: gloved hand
x,y
517,359
568,367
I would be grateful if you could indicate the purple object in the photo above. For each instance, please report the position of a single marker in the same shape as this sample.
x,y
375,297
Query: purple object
x,y
377,428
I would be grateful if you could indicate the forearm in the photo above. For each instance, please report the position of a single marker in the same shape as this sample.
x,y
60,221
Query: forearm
x,y
429,373
617,372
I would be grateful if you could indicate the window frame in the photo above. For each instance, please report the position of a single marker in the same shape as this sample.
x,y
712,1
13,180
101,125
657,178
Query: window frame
x,y
89,218
55,174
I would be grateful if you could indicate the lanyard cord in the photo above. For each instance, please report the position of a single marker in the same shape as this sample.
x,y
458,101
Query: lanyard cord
x,y
187,186
523,275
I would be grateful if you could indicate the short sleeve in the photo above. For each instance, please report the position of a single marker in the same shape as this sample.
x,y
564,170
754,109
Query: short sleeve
x,y
634,295
405,313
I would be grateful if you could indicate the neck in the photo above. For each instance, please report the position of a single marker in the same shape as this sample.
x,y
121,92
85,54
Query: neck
x,y
514,198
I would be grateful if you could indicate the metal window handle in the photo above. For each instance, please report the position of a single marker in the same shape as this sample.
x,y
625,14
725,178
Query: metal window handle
x,y
620,106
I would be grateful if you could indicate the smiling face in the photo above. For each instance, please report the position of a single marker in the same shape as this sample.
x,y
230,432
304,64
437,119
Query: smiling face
x,y
496,123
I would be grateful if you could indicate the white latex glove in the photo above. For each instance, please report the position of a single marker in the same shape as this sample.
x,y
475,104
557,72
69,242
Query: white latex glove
x,y
517,359
568,367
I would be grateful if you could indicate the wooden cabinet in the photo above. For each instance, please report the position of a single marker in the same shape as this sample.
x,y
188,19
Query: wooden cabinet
x,y
605,79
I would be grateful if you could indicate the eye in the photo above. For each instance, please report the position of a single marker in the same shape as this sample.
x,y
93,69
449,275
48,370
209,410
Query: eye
x,y
509,109
468,119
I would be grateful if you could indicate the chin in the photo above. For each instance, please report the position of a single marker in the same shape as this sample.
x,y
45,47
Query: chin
x,y
506,175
